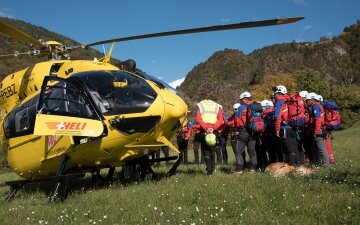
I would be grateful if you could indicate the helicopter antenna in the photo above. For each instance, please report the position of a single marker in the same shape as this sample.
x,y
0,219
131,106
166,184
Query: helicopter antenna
x,y
104,50
106,58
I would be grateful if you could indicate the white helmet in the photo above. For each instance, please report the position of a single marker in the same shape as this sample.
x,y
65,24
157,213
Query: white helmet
x,y
311,95
281,89
319,98
245,95
303,93
265,102
236,105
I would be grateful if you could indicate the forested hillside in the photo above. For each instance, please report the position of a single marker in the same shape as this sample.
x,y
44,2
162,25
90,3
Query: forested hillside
x,y
330,67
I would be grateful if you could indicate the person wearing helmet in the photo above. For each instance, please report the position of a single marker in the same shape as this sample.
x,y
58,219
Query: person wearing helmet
x,y
233,130
209,115
223,132
242,137
282,129
268,143
303,94
198,159
183,137
319,98
319,155
297,119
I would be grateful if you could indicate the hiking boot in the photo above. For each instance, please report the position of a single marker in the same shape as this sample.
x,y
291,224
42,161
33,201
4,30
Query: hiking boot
x,y
239,172
252,171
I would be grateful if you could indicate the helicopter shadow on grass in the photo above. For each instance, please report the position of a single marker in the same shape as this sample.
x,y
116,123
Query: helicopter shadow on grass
x,y
82,183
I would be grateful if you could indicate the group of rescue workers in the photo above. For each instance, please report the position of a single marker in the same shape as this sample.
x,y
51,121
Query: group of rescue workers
x,y
287,128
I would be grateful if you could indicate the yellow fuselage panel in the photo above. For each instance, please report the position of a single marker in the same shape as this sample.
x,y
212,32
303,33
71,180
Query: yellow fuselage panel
x,y
9,91
75,66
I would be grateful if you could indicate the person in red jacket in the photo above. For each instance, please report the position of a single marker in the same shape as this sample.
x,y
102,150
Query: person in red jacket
x,y
243,138
183,137
223,136
198,158
209,116
270,148
316,125
327,135
282,130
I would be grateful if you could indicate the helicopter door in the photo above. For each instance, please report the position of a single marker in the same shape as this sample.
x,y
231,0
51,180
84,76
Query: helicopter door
x,y
64,108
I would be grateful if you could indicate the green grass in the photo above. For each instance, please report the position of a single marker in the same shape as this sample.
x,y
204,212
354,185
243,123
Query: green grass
x,y
330,196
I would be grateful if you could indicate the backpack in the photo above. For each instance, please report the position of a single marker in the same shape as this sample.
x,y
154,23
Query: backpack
x,y
296,110
332,115
254,118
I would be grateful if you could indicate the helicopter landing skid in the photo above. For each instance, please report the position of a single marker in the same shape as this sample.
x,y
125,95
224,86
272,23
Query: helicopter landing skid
x,y
16,185
172,170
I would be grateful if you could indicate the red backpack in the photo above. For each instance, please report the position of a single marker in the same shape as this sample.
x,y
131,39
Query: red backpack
x,y
254,117
332,115
296,110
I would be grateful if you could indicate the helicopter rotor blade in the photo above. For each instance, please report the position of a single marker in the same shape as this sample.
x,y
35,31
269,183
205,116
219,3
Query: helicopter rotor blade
x,y
3,57
260,23
17,54
17,34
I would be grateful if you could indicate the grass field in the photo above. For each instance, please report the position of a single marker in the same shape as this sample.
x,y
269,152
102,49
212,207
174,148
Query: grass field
x,y
330,196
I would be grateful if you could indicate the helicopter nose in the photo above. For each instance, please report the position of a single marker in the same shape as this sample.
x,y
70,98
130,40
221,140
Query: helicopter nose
x,y
175,107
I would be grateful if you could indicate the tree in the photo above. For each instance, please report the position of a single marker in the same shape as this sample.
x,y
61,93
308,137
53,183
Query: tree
x,y
311,81
263,90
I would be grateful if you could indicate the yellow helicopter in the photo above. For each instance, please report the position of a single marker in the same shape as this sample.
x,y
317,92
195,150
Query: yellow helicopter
x,y
63,117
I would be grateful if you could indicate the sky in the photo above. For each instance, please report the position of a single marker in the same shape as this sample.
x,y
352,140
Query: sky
x,y
171,58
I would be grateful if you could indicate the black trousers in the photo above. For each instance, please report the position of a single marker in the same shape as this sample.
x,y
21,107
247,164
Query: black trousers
x,y
218,153
222,142
289,146
242,140
183,144
272,147
196,146
209,156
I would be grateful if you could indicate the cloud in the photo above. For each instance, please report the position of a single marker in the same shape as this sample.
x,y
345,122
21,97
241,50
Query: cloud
x,y
300,2
307,27
5,13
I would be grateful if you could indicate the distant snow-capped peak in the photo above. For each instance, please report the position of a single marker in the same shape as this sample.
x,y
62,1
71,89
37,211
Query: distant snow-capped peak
x,y
176,83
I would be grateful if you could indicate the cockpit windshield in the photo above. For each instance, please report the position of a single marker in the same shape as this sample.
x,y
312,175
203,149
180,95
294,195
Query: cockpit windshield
x,y
117,92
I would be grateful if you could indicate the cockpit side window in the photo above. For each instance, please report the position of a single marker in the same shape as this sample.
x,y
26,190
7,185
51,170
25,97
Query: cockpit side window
x,y
22,122
64,98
